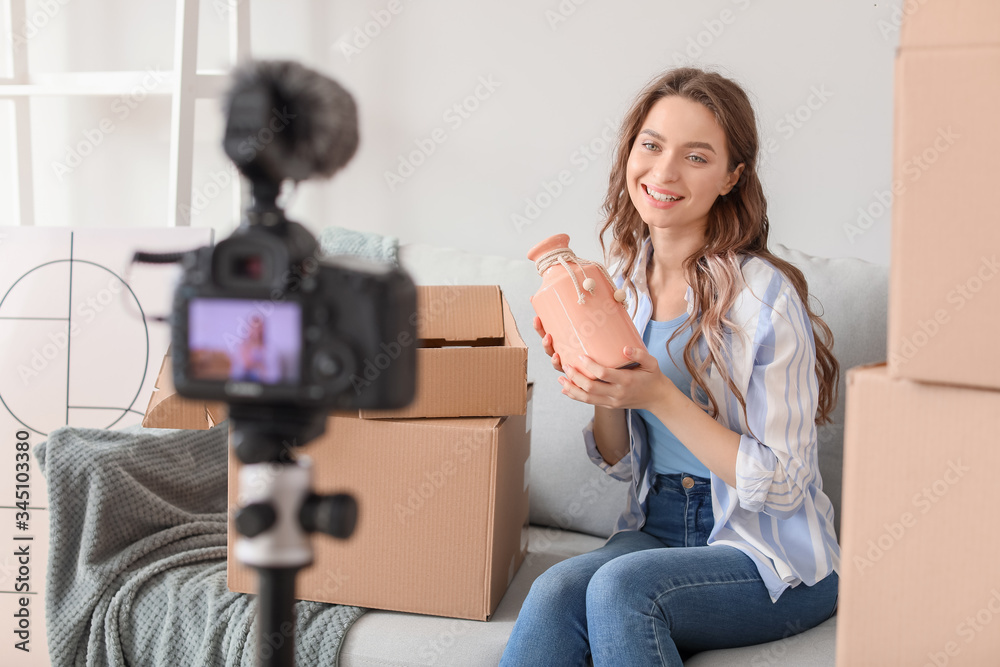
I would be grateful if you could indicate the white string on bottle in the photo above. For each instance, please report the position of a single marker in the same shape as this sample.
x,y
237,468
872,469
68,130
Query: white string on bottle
x,y
561,256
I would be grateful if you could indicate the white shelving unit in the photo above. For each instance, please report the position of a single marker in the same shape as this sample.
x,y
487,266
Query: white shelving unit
x,y
185,84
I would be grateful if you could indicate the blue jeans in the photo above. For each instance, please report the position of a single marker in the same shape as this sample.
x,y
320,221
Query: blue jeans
x,y
642,599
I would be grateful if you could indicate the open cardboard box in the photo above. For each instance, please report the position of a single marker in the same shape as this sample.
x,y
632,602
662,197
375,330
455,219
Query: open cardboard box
x,y
443,520
167,409
471,360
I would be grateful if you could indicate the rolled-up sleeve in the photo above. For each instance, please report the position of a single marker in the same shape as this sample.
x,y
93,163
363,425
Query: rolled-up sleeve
x,y
621,470
773,469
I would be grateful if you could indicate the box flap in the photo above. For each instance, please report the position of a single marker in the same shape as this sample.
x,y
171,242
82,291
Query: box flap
x,y
167,409
467,378
458,423
952,23
865,368
459,313
512,337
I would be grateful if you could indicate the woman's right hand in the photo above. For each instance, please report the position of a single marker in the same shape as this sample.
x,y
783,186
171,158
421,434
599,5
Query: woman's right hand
x,y
547,344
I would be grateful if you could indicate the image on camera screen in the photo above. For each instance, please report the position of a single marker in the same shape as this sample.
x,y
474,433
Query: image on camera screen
x,y
244,341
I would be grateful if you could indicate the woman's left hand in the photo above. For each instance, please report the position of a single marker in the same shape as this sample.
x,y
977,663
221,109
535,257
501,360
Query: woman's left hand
x,y
641,387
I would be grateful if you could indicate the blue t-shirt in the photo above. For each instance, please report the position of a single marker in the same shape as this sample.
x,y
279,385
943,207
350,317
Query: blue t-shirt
x,y
669,455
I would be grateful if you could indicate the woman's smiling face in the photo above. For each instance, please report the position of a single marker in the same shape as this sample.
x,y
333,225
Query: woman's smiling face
x,y
678,164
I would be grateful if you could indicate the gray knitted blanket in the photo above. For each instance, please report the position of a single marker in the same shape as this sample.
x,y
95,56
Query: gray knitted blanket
x,y
137,569
371,245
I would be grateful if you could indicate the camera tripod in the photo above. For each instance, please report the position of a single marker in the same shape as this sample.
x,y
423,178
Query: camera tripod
x,y
278,511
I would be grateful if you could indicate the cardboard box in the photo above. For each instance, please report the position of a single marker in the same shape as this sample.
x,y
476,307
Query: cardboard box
x,y
167,409
443,519
944,301
920,577
471,360
443,514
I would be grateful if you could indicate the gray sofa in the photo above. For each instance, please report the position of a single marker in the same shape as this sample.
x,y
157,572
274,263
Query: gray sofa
x,y
573,503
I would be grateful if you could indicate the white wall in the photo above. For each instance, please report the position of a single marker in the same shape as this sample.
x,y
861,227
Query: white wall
x,y
562,71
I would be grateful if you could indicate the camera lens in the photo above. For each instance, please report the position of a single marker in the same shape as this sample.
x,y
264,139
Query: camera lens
x,y
250,267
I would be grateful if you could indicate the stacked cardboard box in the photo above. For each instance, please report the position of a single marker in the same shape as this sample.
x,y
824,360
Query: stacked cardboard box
x,y
920,580
442,486
945,274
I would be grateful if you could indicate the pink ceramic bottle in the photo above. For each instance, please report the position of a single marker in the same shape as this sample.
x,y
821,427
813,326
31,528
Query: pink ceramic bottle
x,y
579,306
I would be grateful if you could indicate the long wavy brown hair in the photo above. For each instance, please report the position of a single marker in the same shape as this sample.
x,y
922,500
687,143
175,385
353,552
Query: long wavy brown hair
x,y
737,227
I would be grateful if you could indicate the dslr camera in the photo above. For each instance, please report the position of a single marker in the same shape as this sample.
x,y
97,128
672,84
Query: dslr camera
x,y
263,321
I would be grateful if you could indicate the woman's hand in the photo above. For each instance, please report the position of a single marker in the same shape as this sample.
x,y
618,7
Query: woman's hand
x,y
642,387
547,344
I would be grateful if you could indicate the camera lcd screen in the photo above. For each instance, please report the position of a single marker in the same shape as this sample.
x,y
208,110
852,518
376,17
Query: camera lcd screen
x,y
244,341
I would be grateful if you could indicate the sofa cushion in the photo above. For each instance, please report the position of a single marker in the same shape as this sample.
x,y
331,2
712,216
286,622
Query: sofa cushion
x,y
813,648
567,490
852,297
382,638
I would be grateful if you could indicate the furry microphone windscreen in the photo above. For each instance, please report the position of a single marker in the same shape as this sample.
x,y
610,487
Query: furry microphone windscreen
x,y
312,122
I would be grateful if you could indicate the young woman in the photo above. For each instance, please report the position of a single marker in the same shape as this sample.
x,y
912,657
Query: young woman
x,y
256,362
728,538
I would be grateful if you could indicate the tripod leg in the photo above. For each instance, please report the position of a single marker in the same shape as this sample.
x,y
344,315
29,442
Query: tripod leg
x,y
275,617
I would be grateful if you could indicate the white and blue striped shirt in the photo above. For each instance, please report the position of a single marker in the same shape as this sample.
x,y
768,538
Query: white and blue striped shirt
x,y
778,514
